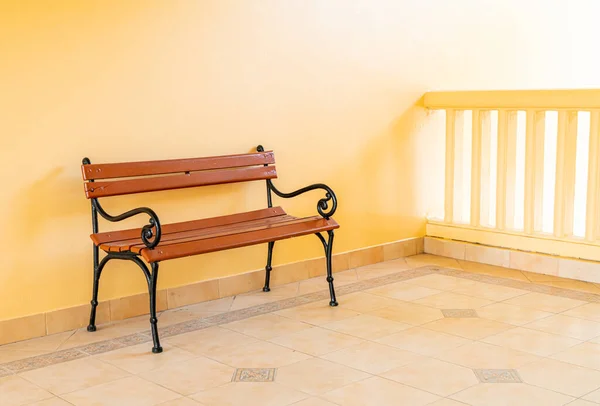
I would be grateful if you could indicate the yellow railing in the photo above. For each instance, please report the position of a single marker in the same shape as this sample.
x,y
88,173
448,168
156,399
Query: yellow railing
x,y
522,170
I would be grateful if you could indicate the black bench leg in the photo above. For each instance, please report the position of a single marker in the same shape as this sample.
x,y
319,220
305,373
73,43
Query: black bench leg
x,y
268,268
153,319
328,245
98,267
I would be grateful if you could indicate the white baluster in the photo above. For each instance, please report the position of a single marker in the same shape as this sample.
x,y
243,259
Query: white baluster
x,y
566,151
506,174
476,169
592,220
534,170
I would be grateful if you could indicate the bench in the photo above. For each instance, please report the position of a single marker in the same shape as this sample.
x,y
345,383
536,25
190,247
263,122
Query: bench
x,y
156,242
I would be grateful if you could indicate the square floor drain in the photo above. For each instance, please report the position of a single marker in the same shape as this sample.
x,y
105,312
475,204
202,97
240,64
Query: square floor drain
x,y
459,313
254,375
497,376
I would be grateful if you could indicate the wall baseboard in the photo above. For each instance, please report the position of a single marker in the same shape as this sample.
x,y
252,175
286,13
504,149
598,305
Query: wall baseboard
x,y
72,318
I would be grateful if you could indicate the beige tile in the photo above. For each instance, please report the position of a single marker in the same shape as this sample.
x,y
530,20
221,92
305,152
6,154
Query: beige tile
x,y
409,313
561,377
372,357
76,317
536,263
570,284
420,245
242,283
532,341
193,293
279,292
209,340
243,302
480,355
339,263
320,283
581,402
180,402
316,341
40,344
266,326
540,277
289,273
259,354
314,402
589,311
250,394
22,328
423,341
426,259
318,313
365,302
175,316
450,300
365,256
399,249
16,391
139,358
578,269
377,391
585,355
50,402
441,282
104,332
431,375
132,391
593,397
136,305
318,376
515,394
219,305
487,255
511,314
382,269
190,376
367,326
447,402
471,328
489,291
445,248
73,375
492,270
567,326
403,291
546,303
14,355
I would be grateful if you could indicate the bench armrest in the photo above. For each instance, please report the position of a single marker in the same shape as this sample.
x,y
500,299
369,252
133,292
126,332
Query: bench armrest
x,y
322,204
147,230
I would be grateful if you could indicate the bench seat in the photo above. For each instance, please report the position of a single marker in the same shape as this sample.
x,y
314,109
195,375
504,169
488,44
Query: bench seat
x,y
214,234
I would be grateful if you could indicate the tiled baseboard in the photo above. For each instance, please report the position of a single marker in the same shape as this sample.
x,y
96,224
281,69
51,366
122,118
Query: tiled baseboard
x,y
71,318
571,268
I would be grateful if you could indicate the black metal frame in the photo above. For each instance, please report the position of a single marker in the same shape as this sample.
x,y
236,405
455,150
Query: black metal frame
x,y
324,211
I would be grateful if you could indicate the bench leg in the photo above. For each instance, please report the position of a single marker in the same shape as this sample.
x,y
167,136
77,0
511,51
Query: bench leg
x,y
268,268
153,319
328,245
98,267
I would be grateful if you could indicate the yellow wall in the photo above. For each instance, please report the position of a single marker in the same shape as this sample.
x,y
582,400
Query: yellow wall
x,y
329,85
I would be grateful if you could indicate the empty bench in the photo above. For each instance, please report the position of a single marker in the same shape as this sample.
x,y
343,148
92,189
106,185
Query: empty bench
x,y
156,242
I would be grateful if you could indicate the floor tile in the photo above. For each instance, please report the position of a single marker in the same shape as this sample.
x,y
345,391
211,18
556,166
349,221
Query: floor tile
x,y
447,402
73,375
41,344
593,396
317,313
441,282
219,305
259,354
581,402
314,402
366,302
561,377
501,376
15,355
367,326
378,391
585,355
511,314
132,391
515,394
180,402
409,313
472,328
546,303
317,376
139,358
532,341
423,341
450,300
372,357
417,261
170,317
16,391
489,291
209,340
316,341
439,377
50,402
250,394
492,270
480,355
266,326
589,311
382,269
567,326
403,291
190,376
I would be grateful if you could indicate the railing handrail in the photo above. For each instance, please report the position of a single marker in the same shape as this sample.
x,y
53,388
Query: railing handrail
x,y
563,99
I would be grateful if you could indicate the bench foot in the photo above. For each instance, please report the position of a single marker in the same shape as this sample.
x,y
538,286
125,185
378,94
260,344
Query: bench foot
x,y
333,304
266,289
157,350
91,328
268,268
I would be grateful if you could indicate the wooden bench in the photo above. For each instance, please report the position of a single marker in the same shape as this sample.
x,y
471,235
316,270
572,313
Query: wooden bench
x,y
156,242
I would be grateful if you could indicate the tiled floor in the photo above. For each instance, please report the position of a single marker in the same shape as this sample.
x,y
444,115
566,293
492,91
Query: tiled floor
x,y
417,331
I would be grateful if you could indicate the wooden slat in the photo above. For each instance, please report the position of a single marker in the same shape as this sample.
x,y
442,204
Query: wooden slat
x,y
238,240
146,168
592,220
216,177
449,184
566,150
111,236
476,170
534,171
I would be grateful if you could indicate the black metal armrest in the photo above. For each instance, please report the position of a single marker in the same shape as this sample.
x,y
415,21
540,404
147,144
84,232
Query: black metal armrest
x,y
322,204
147,230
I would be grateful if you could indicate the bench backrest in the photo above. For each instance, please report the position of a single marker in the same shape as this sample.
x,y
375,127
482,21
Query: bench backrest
x,y
150,176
